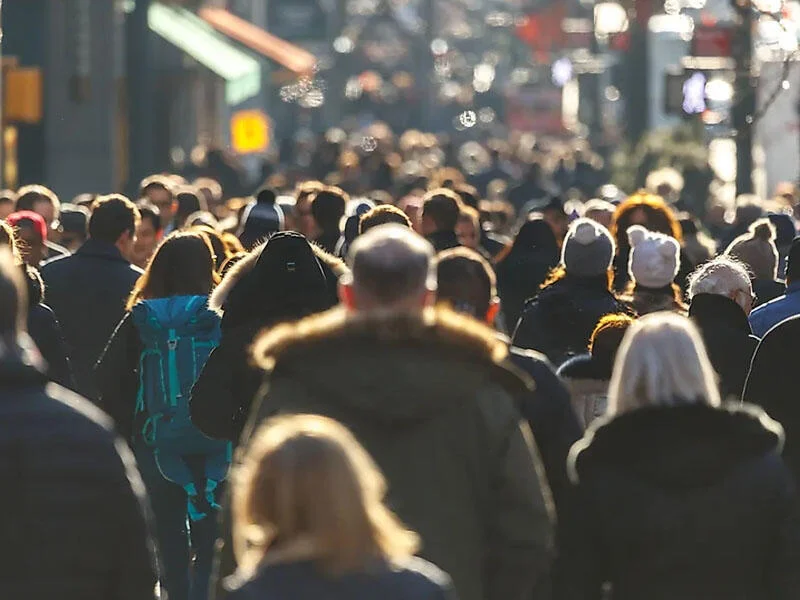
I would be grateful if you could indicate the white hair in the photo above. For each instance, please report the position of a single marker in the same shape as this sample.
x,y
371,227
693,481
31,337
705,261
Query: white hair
x,y
723,276
662,361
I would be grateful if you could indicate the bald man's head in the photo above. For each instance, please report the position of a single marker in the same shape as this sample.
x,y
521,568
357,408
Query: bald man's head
x,y
391,268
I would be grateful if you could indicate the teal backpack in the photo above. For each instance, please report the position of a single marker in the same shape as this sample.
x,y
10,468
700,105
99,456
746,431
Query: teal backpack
x,y
178,334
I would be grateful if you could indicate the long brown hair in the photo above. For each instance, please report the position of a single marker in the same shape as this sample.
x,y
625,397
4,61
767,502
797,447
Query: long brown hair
x,y
183,265
660,218
559,272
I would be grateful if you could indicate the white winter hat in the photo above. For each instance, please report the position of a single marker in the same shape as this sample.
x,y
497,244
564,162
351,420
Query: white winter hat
x,y
654,258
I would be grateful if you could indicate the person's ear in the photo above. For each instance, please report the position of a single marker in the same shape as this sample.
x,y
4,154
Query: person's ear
x,y
429,298
494,309
347,296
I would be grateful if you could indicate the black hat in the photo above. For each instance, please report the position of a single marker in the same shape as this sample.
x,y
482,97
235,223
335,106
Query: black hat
x,y
793,263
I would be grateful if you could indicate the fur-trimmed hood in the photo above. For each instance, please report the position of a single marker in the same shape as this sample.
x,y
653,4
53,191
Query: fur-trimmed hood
x,y
676,447
296,279
398,366
332,266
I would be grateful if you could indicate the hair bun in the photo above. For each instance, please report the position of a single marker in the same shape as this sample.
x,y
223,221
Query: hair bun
x,y
636,235
586,233
763,230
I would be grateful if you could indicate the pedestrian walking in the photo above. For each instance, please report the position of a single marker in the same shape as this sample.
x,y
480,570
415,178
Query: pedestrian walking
x,y
280,281
413,383
559,321
721,298
653,266
680,496
310,521
73,525
145,377
88,290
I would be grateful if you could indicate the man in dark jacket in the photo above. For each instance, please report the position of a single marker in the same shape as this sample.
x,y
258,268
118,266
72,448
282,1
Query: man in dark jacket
x,y
88,290
467,283
721,299
440,211
426,392
73,509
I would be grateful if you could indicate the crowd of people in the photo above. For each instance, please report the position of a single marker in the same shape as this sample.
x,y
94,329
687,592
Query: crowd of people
x,y
400,376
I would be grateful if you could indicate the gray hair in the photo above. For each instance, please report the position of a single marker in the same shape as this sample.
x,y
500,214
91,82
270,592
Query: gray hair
x,y
391,264
722,276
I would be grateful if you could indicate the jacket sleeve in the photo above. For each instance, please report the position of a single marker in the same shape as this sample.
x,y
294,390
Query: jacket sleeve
x,y
214,405
50,341
783,577
520,520
118,376
137,573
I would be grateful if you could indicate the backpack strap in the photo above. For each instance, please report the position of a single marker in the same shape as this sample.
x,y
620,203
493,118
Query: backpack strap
x,y
172,368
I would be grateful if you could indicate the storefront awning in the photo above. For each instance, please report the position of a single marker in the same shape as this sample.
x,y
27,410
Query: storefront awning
x,y
192,35
289,56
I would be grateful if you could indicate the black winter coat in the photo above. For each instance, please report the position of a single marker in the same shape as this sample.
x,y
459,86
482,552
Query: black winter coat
x,y
521,273
73,504
772,384
417,580
255,296
729,340
560,320
87,291
684,502
44,329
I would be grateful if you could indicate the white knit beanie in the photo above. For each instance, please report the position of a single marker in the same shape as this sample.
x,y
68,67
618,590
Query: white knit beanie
x,y
654,259
588,249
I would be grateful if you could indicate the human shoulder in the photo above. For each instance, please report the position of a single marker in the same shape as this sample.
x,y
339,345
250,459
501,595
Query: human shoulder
x,y
424,579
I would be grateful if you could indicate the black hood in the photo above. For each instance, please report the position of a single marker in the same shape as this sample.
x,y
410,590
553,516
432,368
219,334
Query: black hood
x,y
710,310
537,235
676,447
283,280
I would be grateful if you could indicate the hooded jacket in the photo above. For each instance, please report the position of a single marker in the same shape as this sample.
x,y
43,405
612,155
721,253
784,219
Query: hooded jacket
x,y
729,340
73,506
686,501
520,274
429,398
282,280
560,320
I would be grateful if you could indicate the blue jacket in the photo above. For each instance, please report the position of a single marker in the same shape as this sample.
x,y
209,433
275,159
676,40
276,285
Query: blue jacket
x,y
769,315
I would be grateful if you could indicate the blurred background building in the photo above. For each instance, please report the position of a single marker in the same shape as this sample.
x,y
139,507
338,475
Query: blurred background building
x,y
99,94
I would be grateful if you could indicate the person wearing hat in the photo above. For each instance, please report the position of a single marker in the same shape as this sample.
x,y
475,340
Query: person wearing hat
x,y
768,315
653,266
261,218
757,250
30,229
73,226
559,321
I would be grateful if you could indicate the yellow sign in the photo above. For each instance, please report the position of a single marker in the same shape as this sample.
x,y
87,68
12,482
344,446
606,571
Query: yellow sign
x,y
250,132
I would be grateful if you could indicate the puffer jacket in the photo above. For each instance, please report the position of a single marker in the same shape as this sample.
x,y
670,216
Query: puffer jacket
x,y
73,506
686,501
430,399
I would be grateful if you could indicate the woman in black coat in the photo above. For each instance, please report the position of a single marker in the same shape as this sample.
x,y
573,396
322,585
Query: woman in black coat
x,y
559,321
679,496
524,269
284,279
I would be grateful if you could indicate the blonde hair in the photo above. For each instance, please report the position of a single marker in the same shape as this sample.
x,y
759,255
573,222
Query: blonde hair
x,y
307,489
662,361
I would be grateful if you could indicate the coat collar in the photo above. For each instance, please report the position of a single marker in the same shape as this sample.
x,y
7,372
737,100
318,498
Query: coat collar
x,y
713,308
99,249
